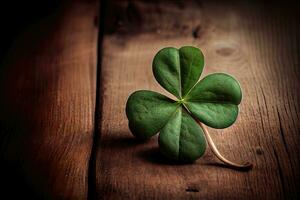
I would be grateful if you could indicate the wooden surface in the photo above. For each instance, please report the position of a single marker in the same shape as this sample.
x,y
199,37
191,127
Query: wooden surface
x,y
48,85
64,136
256,43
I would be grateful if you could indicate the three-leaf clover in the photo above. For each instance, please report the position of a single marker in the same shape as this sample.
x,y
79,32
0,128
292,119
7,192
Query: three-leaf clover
x,y
213,101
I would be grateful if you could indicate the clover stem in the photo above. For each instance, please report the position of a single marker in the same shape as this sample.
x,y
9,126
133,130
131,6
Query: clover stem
x,y
245,166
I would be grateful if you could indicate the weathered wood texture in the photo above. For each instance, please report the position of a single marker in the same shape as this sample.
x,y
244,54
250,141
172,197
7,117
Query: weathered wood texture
x,y
48,86
256,43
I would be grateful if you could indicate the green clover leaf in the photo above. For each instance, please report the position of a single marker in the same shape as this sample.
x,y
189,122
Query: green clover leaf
x,y
213,101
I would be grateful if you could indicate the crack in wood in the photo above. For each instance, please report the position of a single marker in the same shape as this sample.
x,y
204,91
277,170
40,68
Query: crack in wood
x,y
280,171
190,189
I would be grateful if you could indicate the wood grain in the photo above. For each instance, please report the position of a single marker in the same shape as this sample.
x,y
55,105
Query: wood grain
x,y
48,85
258,44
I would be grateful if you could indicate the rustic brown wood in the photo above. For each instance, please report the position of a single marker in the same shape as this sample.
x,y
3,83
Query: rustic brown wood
x,y
256,43
48,86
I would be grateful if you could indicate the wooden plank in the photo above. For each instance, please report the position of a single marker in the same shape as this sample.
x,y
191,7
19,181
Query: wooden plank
x,y
48,85
254,42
